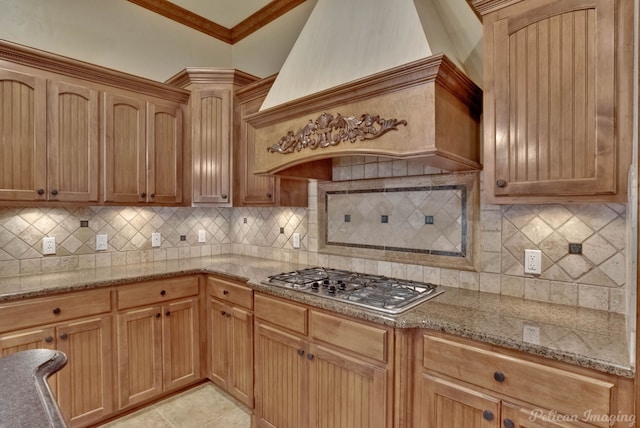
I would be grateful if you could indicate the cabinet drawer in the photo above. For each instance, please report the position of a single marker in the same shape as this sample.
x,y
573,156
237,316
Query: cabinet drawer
x,y
284,314
29,313
145,293
230,292
538,384
360,338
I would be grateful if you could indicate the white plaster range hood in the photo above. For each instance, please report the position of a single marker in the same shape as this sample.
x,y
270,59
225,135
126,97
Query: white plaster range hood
x,y
368,77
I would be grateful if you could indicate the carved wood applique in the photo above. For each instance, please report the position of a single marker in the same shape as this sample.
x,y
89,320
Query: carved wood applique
x,y
328,130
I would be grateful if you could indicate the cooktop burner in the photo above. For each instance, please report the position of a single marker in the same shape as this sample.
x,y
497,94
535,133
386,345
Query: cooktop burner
x,y
390,295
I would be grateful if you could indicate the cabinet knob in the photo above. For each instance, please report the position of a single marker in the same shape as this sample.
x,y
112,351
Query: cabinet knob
x,y
225,292
163,292
64,336
143,195
508,423
40,191
269,195
223,313
309,357
158,315
301,352
54,192
224,196
501,183
487,415
48,339
153,195
167,313
499,376
228,314
56,311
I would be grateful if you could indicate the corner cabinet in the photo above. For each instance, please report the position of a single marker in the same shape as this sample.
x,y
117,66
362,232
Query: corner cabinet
x,y
558,101
315,369
260,190
50,130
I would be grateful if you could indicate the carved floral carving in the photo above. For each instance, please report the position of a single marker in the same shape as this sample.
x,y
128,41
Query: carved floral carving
x,y
328,130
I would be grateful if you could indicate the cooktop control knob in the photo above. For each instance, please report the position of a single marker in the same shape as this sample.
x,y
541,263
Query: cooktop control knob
x,y
315,286
332,289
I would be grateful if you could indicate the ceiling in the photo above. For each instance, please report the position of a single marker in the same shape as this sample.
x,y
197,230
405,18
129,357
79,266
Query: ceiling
x,y
226,20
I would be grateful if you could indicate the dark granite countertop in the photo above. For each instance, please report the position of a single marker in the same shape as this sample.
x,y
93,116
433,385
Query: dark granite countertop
x,y
25,397
580,336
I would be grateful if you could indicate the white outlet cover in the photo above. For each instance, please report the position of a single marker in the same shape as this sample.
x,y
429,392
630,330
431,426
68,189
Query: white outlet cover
x,y
531,334
202,236
533,262
101,242
156,239
296,240
48,245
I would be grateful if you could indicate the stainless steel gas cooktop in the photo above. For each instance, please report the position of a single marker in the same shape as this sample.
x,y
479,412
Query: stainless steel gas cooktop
x,y
390,295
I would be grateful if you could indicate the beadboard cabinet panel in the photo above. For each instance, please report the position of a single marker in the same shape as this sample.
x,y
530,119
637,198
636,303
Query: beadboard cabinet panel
x,y
164,153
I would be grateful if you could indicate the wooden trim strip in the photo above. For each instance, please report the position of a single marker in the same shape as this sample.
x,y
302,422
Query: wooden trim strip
x,y
259,19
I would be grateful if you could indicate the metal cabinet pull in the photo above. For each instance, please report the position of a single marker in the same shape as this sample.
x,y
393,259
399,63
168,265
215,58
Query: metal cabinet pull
x,y
56,311
54,192
64,336
158,315
301,352
223,313
269,195
224,196
499,376
487,415
309,357
40,191
153,195
501,183
167,313
225,292
163,292
48,339
143,195
508,423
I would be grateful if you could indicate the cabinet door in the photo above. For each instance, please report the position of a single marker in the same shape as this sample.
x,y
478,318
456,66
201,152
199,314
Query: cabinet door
x,y
449,405
72,150
85,384
139,354
23,137
280,379
164,153
211,146
515,416
552,68
181,343
125,149
346,392
218,343
241,355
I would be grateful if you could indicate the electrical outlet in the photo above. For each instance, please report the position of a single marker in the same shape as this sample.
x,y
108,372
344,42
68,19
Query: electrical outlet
x,y
531,334
202,236
101,242
156,239
533,262
296,240
48,245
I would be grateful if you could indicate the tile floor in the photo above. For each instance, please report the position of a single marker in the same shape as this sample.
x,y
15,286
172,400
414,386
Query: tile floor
x,y
205,406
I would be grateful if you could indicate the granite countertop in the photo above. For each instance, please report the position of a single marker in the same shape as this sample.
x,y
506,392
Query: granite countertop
x,y
27,400
580,336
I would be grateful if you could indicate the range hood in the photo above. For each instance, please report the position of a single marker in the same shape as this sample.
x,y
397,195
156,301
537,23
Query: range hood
x,y
363,79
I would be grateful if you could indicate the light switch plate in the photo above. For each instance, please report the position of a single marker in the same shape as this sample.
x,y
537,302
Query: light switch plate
x,y
156,239
101,242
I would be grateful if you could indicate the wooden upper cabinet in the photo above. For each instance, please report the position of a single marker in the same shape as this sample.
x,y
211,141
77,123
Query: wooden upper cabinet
x,y
164,153
555,90
211,129
143,151
125,149
22,136
72,150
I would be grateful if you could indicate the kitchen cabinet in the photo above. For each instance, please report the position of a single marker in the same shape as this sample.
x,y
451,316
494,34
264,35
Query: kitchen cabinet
x,y
158,338
319,370
143,150
230,337
79,325
557,100
214,130
260,190
463,384
50,130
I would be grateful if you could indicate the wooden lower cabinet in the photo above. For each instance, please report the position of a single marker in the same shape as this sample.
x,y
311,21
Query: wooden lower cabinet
x,y
303,381
83,387
158,349
231,349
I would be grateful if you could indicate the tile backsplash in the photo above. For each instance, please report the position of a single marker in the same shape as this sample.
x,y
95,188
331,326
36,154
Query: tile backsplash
x,y
595,279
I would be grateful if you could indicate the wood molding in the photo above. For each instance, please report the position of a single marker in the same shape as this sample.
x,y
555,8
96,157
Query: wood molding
x,y
24,55
259,19
482,7
210,75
